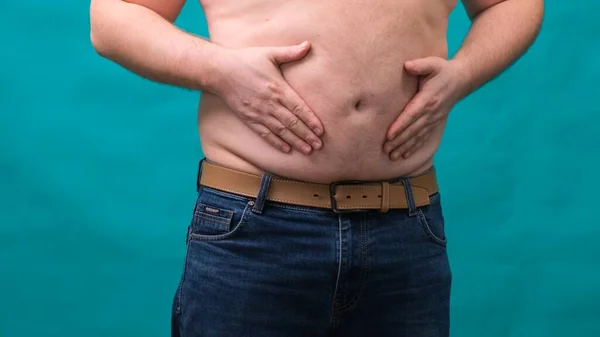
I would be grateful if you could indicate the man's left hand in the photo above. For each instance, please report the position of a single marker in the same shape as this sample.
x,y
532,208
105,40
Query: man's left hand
x,y
437,93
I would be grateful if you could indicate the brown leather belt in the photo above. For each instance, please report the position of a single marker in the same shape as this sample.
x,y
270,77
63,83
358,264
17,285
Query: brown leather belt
x,y
343,196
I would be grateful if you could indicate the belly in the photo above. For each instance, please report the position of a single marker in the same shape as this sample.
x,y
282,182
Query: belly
x,y
353,79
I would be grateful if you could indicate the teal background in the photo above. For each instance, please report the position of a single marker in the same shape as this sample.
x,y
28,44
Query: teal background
x,y
97,182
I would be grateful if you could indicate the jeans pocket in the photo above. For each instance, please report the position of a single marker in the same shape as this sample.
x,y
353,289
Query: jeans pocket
x,y
217,217
431,220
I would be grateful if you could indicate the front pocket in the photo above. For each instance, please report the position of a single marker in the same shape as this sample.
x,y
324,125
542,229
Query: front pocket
x,y
431,220
212,218
213,222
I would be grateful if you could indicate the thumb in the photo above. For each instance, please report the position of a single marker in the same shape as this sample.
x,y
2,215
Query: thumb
x,y
291,53
424,66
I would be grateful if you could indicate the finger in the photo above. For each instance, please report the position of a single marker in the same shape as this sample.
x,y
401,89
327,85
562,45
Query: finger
x,y
296,105
411,113
424,66
414,148
395,154
283,132
270,137
407,148
295,125
290,53
405,136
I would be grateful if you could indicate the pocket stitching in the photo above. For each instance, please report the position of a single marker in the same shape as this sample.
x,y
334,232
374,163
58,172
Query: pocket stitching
x,y
238,226
427,229
220,219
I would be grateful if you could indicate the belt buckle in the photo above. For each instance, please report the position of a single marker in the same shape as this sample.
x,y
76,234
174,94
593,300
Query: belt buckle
x,y
332,190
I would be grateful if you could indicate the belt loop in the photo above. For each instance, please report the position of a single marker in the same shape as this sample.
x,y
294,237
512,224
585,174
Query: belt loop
x,y
385,197
199,174
412,211
265,184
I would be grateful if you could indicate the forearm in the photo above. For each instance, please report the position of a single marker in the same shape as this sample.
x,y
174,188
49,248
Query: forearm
x,y
147,44
497,38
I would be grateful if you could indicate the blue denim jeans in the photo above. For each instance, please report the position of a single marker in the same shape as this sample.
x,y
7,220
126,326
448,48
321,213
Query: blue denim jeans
x,y
260,268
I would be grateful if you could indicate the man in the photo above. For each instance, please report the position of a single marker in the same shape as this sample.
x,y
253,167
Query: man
x,y
299,97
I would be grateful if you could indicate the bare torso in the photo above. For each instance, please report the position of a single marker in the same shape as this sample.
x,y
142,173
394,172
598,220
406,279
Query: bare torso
x,y
353,78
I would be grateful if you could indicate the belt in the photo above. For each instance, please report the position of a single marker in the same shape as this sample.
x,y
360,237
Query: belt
x,y
340,196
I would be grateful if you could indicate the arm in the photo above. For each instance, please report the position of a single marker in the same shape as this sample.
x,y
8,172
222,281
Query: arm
x,y
142,38
501,32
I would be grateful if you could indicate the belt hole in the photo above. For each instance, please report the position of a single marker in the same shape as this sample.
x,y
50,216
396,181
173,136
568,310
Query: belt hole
x,y
364,196
348,196
379,196
315,195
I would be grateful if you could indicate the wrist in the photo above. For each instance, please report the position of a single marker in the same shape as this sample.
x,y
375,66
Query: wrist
x,y
464,78
205,61
217,71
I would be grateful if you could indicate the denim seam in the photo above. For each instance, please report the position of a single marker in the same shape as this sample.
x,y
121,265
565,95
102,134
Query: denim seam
x,y
180,288
185,259
337,281
218,220
182,281
365,260
239,225
352,303
428,231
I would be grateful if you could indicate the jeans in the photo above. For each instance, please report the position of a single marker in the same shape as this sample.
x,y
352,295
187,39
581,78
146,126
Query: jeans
x,y
261,268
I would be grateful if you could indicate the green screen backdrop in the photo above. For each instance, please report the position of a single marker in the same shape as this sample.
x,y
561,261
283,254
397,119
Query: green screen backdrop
x,y
97,181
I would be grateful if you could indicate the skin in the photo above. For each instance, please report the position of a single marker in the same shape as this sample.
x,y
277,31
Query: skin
x,y
319,90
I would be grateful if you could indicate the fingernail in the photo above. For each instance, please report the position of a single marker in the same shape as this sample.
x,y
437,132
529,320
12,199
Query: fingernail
x,y
392,136
395,155
286,149
306,149
317,145
405,155
318,131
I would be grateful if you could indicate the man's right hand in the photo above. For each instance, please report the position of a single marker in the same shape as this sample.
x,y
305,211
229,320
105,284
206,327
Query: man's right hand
x,y
254,88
